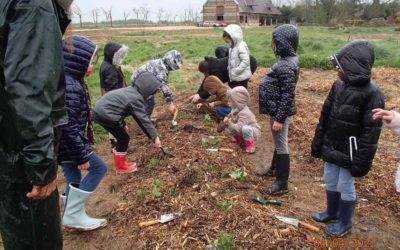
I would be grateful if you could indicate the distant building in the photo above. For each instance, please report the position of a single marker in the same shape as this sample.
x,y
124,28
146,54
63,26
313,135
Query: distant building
x,y
245,12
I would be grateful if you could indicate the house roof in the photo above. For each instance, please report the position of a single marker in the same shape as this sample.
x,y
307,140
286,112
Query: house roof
x,y
257,6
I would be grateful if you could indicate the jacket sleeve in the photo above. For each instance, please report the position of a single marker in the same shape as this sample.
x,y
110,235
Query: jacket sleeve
x,y
167,92
287,86
368,139
202,93
33,65
238,126
142,119
244,57
395,124
316,146
70,138
110,81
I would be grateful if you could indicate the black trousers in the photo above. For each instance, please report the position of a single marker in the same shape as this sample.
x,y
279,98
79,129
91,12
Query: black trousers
x,y
237,84
27,224
122,137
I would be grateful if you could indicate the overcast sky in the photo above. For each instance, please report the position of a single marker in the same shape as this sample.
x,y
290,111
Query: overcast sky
x,y
175,7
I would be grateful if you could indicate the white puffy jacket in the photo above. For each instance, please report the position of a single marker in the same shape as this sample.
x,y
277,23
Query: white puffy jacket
x,y
239,55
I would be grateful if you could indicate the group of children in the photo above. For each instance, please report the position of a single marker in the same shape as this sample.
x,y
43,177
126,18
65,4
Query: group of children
x,y
346,137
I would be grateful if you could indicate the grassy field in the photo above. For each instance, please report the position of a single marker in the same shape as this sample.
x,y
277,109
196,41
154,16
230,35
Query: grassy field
x,y
316,45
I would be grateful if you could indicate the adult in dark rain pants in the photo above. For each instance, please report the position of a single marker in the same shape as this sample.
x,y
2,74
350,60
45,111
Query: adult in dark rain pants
x,y
32,108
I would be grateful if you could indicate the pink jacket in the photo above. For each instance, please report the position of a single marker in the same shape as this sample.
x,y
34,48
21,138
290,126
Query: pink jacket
x,y
395,124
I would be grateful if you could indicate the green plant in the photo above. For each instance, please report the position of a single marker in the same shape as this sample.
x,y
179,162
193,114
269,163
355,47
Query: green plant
x,y
224,242
212,169
172,192
141,196
239,174
154,164
156,191
211,141
207,120
227,204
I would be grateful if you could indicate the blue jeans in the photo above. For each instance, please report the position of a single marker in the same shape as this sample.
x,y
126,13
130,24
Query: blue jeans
x,y
222,111
97,170
338,179
149,104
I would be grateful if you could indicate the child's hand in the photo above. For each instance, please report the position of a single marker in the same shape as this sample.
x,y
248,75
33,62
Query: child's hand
x,y
387,116
157,143
227,120
212,104
84,166
194,98
276,127
171,108
126,128
198,106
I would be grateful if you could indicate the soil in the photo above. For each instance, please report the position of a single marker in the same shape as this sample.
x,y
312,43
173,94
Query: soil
x,y
198,183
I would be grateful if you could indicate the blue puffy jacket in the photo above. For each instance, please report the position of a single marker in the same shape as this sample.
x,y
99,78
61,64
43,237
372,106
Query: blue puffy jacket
x,y
75,146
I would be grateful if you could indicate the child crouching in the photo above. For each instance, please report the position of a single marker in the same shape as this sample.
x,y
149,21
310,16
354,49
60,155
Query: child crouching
x,y
242,123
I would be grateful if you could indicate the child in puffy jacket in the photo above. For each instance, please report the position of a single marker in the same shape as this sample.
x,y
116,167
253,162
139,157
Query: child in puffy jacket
x,y
277,100
239,56
347,136
76,153
391,119
242,123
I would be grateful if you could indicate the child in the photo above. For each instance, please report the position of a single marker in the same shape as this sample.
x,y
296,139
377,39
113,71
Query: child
x,y
242,123
239,56
219,67
346,137
115,106
111,75
277,99
76,153
213,86
160,68
391,119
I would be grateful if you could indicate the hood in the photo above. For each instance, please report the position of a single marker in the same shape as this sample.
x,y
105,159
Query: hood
x,y
119,56
221,52
78,52
356,60
109,51
239,96
147,84
173,60
286,39
235,32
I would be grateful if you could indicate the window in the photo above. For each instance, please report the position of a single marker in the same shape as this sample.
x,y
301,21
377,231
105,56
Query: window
x,y
220,18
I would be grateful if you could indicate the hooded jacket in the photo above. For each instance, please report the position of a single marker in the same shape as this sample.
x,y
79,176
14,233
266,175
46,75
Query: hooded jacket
x,y
239,55
219,67
114,106
32,89
160,68
241,114
215,87
277,89
75,145
347,112
111,75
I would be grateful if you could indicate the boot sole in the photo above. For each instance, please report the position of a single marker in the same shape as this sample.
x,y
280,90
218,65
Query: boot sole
x,y
282,192
338,236
85,229
126,172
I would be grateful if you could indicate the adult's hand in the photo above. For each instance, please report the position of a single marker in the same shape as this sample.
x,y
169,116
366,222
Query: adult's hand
x,y
157,143
171,108
276,127
42,192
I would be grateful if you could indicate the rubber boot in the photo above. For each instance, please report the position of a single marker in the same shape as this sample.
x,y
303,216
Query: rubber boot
x,y
269,172
75,214
280,186
239,140
344,223
332,209
121,166
250,146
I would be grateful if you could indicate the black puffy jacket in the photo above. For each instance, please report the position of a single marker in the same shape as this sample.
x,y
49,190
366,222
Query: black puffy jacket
x,y
277,89
219,67
32,89
347,112
111,76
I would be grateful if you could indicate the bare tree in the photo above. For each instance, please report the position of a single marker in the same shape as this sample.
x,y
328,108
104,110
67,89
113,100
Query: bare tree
x,y
137,14
160,14
105,13
145,13
168,16
77,11
95,15
126,16
108,15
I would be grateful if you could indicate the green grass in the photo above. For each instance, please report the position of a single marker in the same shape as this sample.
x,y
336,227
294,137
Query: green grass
x,y
316,45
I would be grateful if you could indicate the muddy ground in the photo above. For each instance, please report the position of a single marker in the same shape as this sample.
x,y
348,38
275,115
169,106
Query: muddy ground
x,y
198,183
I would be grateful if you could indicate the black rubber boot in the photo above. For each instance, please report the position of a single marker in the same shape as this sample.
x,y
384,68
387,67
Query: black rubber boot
x,y
269,172
344,223
332,209
282,176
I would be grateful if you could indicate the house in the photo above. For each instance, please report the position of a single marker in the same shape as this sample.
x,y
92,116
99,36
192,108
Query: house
x,y
244,12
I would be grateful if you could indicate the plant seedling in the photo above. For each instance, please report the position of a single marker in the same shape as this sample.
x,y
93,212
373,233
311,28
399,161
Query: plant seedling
x,y
239,174
156,192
